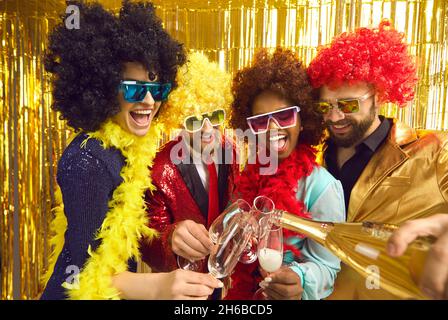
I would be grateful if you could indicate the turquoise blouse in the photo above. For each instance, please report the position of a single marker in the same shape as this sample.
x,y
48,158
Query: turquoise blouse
x,y
323,197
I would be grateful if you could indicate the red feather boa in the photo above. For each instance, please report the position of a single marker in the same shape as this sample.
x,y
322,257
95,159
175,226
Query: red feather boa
x,y
281,187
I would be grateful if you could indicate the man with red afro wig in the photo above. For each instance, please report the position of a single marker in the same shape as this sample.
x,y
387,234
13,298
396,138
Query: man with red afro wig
x,y
390,172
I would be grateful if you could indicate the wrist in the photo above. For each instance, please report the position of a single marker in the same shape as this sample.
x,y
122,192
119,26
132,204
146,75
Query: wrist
x,y
137,286
152,284
169,235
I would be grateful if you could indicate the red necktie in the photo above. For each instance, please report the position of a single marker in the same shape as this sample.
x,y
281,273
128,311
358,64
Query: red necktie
x,y
213,199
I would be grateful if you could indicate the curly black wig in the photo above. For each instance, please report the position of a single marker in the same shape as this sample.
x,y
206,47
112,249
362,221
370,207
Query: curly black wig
x,y
283,74
87,63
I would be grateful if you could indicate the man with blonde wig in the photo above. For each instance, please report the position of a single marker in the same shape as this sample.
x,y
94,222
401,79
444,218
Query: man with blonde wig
x,y
193,172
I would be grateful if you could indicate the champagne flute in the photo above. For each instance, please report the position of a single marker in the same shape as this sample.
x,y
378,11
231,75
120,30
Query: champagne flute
x,y
219,224
230,245
216,229
270,248
262,206
191,265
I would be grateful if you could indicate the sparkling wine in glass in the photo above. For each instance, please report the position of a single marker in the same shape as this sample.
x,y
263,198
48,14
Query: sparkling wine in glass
x,y
270,248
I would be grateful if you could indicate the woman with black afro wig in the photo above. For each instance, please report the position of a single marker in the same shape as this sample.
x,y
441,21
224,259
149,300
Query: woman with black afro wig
x,y
110,77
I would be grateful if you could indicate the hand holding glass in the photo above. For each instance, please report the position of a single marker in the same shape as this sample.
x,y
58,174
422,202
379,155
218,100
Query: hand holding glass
x,y
215,231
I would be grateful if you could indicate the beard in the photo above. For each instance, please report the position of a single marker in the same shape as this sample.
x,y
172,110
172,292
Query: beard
x,y
359,129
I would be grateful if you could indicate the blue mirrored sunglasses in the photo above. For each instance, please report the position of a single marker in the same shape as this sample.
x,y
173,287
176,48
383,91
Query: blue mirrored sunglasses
x,y
135,91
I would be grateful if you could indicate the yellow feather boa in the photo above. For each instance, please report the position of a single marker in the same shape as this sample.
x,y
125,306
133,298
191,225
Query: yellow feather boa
x,y
125,223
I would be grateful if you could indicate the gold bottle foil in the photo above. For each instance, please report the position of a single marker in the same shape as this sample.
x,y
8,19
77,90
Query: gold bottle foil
x,y
228,32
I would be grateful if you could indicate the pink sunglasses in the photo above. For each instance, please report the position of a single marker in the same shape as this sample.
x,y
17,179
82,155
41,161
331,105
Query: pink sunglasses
x,y
284,118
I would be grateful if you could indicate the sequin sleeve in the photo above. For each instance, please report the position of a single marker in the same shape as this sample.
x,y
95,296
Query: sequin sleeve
x,y
85,185
158,254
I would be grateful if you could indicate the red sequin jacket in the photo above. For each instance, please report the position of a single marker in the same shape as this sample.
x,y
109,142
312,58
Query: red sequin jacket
x,y
180,195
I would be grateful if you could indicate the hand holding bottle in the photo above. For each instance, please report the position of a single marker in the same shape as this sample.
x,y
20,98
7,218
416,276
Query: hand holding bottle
x,y
362,246
434,281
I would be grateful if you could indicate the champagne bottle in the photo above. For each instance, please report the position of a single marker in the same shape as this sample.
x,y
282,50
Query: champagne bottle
x,y
362,246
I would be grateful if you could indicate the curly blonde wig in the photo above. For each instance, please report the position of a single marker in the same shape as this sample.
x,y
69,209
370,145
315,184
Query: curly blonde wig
x,y
202,87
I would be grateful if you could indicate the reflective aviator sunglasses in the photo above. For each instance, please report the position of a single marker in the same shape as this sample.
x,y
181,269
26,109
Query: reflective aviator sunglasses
x,y
195,123
284,118
348,105
135,91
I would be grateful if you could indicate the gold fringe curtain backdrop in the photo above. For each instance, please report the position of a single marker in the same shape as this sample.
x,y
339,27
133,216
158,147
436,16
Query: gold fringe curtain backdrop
x,y
229,32
29,146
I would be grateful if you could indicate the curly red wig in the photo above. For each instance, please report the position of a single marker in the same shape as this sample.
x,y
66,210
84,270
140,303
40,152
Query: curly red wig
x,y
377,56
283,74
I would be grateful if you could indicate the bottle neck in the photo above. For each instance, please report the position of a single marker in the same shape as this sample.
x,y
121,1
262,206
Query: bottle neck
x,y
313,229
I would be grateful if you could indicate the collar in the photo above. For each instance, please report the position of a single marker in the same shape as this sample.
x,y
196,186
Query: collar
x,y
188,151
374,140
